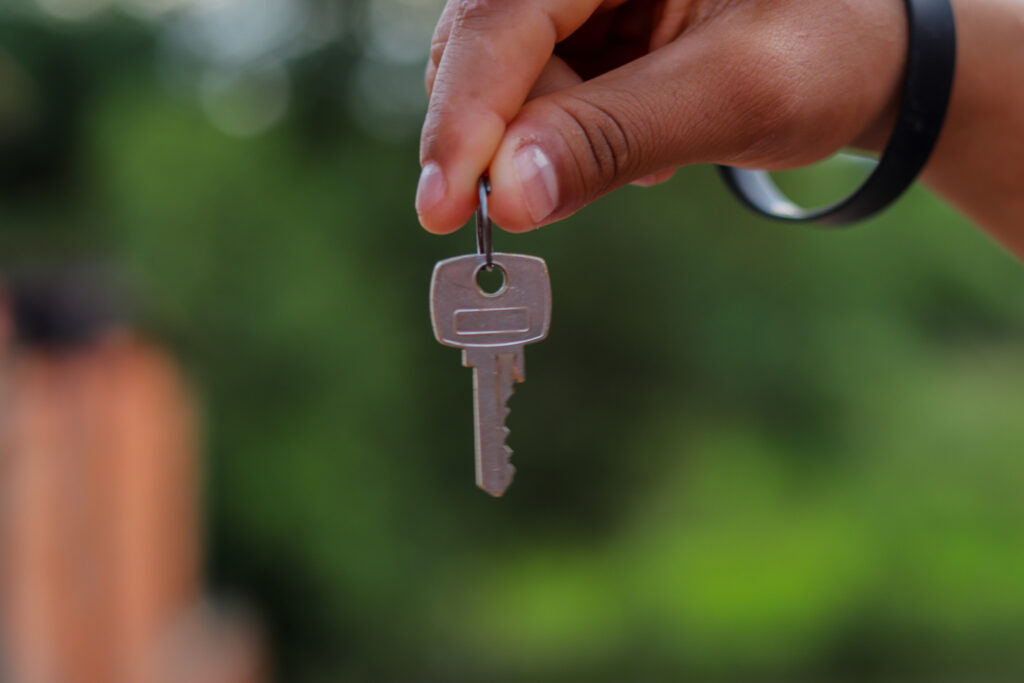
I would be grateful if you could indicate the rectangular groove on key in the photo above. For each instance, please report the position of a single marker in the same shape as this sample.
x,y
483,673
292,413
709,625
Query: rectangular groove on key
x,y
472,321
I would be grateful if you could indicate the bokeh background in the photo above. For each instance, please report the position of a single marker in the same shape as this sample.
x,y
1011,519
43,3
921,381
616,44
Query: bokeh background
x,y
746,452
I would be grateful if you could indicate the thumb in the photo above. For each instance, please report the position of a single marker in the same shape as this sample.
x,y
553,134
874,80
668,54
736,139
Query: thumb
x,y
682,104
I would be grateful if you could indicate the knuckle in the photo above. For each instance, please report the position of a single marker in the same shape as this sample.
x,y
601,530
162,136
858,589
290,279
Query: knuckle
x,y
601,143
429,74
474,12
437,48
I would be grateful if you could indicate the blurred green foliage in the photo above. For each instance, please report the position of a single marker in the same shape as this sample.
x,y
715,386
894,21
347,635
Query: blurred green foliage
x,y
746,452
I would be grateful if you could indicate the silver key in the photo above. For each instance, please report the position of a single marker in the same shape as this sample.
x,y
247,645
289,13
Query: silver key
x,y
491,330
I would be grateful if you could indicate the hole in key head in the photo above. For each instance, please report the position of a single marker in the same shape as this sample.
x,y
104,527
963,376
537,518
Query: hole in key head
x,y
491,282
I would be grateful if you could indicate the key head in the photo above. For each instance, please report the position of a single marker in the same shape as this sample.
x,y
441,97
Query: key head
x,y
464,316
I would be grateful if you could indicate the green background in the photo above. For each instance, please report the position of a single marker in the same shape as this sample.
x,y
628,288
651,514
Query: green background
x,y
747,452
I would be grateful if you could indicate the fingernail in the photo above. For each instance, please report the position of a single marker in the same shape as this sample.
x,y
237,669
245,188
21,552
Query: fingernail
x,y
431,189
536,176
646,181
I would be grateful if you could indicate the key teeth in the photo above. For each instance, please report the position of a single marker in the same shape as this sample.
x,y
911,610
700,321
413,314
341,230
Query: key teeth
x,y
499,490
509,371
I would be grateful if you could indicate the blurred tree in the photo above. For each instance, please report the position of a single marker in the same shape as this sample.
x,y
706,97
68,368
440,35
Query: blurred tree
x,y
746,451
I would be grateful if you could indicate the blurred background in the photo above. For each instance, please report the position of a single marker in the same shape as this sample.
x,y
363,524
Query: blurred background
x,y
233,451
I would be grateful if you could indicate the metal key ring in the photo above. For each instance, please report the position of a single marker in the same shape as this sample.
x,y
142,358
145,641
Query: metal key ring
x,y
484,244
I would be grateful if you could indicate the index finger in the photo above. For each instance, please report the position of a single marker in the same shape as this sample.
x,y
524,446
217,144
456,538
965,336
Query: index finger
x,y
494,53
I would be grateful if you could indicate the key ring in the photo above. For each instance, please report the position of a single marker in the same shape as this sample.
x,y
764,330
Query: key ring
x,y
484,244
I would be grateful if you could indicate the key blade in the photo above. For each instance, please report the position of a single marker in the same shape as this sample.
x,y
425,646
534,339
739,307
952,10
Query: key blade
x,y
495,372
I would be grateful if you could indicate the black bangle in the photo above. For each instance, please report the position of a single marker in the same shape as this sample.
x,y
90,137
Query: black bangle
x,y
931,63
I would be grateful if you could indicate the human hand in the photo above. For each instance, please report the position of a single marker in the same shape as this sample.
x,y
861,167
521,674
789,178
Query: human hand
x,y
562,101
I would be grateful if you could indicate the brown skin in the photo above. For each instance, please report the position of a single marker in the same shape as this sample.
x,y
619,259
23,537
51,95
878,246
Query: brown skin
x,y
600,94
979,162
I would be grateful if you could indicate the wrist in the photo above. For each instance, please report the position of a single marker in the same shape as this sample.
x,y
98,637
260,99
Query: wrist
x,y
885,88
923,104
979,162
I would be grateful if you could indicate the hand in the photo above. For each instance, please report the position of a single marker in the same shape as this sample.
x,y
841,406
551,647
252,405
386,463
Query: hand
x,y
562,101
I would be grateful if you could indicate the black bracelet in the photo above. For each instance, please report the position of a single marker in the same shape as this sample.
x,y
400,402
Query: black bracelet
x,y
931,64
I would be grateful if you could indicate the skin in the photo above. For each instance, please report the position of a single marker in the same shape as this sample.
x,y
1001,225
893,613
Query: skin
x,y
563,101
